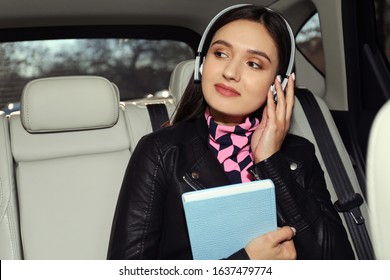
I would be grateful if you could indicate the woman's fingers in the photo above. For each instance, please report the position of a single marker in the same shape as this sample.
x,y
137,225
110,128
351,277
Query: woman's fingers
x,y
276,244
290,97
283,234
280,94
285,102
275,122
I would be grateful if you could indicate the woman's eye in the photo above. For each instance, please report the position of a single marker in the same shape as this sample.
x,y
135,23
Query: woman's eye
x,y
254,65
220,54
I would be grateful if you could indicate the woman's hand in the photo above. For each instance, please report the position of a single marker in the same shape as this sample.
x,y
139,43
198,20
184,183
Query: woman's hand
x,y
275,122
275,245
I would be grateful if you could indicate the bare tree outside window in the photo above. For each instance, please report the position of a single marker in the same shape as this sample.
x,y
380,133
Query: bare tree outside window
x,y
138,67
309,40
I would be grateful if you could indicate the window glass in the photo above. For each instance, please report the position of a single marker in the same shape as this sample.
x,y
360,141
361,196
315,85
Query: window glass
x,y
140,68
309,43
382,9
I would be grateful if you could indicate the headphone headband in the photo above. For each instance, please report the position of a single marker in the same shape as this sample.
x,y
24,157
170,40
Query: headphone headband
x,y
197,74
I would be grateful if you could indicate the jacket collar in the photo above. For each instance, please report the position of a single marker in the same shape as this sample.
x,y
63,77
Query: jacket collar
x,y
204,171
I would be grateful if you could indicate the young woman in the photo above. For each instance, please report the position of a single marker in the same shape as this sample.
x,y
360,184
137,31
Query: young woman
x,y
228,129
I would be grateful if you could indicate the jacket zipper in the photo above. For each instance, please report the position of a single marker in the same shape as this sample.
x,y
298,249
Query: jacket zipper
x,y
189,182
255,175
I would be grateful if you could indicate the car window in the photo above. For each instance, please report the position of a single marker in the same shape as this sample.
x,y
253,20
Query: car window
x,y
382,12
139,67
309,43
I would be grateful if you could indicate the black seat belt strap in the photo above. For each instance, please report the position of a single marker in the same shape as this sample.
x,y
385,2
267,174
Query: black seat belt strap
x,y
348,201
158,114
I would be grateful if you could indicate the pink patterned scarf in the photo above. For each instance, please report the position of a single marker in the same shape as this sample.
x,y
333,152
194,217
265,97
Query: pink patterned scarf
x,y
231,145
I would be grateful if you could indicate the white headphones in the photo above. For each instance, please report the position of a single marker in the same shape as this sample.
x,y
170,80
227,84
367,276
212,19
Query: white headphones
x,y
199,57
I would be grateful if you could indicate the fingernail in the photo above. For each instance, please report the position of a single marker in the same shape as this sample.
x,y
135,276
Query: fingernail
x,y
293,76
279,78
294,230
273,90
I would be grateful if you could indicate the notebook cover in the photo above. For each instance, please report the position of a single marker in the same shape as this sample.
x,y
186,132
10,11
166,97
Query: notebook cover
x,y
221,224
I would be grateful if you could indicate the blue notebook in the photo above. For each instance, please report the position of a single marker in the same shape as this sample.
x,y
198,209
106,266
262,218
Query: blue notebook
x,y
223,220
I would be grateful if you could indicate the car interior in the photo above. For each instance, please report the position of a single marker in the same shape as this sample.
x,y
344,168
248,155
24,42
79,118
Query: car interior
x,y
65,146
378,192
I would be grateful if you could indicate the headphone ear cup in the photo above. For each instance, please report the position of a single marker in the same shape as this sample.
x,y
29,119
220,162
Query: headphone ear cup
x,y
201,69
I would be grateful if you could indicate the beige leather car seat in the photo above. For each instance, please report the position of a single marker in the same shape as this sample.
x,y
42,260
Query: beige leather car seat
x,y
378,182
10,247
71,146
138,118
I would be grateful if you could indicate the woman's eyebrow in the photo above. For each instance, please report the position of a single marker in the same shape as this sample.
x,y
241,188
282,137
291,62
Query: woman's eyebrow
x,y
253,52
222,42
260,53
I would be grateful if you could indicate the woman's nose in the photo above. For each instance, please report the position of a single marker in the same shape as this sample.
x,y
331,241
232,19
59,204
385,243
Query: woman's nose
x,y
232,71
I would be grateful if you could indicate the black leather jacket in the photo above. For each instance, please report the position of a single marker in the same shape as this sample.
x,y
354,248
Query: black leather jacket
x,y
149,222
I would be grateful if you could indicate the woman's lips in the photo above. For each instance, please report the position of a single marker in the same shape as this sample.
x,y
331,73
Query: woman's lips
x,y
226,91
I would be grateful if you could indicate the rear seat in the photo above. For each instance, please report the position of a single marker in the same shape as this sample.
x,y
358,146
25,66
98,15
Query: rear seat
x,y
71,143
299,126
71,146
138,118
10,247
378,191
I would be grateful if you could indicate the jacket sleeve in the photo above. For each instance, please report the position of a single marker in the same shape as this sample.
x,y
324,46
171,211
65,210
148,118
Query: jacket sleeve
x,y
138,214
303,202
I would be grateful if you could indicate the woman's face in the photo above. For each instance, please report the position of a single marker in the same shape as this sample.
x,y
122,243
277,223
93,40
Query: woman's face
x,y
239,68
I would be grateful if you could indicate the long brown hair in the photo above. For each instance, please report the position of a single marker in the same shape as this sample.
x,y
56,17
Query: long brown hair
x,y
192,105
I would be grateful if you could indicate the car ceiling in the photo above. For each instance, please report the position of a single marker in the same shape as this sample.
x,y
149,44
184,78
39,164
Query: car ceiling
x,y
192,14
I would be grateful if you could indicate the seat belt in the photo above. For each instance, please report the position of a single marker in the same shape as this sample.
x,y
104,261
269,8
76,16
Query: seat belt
x,y
348,201
158,114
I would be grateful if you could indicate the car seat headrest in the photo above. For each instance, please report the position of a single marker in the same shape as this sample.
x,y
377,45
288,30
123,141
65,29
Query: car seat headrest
x,y
180,78
69,104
